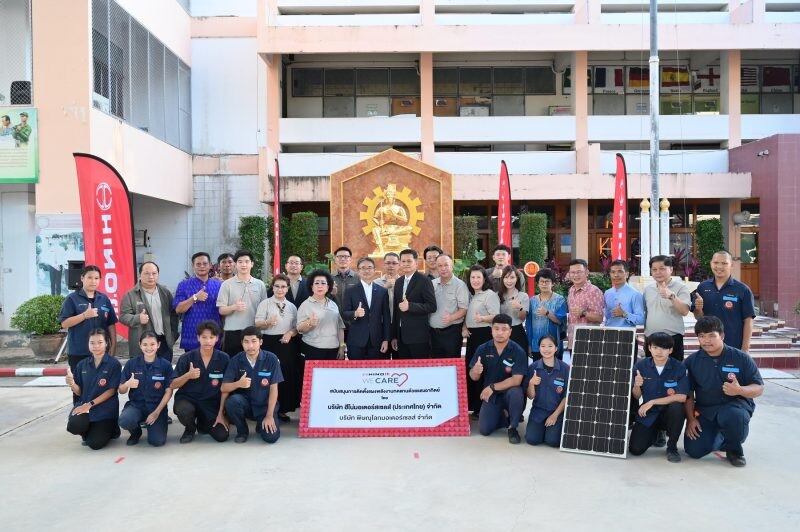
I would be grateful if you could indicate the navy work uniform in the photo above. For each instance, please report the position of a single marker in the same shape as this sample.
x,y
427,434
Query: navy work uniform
x,y
197,401
732,304
724,420
100,424
498,367
672,380
154,379
251,403
549,394
78,335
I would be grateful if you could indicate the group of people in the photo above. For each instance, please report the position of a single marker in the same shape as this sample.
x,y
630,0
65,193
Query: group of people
x,y
246,344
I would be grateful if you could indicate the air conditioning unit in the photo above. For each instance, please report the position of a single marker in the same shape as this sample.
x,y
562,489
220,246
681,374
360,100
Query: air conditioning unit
x,y
100,102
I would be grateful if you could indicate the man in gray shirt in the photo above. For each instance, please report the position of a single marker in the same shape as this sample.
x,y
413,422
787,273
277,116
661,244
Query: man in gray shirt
x,y
238,301
452,300
666,303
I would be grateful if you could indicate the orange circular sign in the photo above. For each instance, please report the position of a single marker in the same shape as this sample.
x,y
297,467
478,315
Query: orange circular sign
x,y
531,269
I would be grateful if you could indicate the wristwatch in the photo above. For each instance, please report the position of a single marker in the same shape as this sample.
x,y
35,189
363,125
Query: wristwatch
x,y
91,403
194,298
671,297
583,314
491,387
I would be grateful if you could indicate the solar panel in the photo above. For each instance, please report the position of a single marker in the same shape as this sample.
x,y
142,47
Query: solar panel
x,y
599,391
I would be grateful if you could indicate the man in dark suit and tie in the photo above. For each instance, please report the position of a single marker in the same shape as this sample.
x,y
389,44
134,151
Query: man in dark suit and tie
x,y
414,301
366,307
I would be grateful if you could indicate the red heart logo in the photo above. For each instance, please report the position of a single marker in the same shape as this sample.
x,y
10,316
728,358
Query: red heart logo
x,y
404,377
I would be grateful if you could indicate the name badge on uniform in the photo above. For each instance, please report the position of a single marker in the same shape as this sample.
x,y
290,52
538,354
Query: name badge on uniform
x,y
215,375
158,377
670,384
730,298
264,373
558,382
508,362
730,369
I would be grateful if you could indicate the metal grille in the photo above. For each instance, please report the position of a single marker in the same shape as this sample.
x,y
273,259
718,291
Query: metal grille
x,y
137,79
16,51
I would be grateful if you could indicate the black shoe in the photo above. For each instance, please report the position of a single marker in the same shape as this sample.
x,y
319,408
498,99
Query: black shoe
x,y
284,418
134,439
736,460
169,420
117,433
187,437
473,416
673,456
661,439
513,436
240,438
84,443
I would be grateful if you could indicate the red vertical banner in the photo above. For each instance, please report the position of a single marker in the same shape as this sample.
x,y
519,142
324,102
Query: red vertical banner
x,y
619,234
276,221
107,227
504,207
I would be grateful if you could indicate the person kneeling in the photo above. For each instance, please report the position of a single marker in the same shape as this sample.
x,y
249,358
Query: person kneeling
x,y
146,380
252,380
662,384
504,363
547,386
198,380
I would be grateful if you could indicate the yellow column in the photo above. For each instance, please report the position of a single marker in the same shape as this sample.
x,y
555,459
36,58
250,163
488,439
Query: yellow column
x,y
731,95
426,106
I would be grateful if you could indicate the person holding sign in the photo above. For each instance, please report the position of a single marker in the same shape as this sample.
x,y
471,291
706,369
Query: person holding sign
x,y
198,381
147,380
723,381
661,383
95,382
546,384
252,380
501,364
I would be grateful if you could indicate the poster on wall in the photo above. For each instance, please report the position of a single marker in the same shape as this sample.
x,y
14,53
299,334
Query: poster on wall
x,y
19,148
59,240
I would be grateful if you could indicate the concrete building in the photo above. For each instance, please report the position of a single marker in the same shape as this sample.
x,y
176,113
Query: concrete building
x,y
193,101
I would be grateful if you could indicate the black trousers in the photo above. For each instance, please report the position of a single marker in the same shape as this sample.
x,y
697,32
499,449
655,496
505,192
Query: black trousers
x,y
478,336
407,351
96,433
367,352
677,351
670,419
447,341
73,361
232,343
194,419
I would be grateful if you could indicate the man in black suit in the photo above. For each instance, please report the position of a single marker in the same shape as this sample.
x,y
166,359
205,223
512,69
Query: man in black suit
x,y
414,301
366,307
298,291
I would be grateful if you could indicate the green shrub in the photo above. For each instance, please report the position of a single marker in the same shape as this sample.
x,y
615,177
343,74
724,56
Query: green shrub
x,y
303,237
709,241
252,237
533,238
465,233
39,315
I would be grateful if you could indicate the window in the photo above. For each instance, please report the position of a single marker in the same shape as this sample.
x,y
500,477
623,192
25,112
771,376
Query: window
x,y
339,82
509,81
372,82
306,82
540,80
475,82
404,82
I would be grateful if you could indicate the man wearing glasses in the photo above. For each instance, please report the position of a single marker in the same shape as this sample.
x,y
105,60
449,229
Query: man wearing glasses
x,y
343,277
366,308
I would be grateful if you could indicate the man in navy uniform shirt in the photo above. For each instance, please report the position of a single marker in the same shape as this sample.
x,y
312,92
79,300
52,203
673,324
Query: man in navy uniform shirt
x,y
729,300
252,380
503,365
198,379
661,383
723,382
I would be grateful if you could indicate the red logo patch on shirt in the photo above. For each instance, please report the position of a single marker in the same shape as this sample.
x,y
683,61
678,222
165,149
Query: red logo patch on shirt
x,y
508,369
214,382
670,391
559,389
102,382
729,305
157,385
264,381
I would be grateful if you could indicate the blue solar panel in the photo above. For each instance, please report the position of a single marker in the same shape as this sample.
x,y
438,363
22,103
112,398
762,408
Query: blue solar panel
x,y
598,394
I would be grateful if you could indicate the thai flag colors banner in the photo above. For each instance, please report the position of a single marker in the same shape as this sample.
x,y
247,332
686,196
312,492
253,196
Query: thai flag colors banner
x,y
107,227
619,235
276,220
504,208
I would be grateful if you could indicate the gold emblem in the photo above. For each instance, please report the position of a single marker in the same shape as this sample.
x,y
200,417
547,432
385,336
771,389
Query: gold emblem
x,y
390,224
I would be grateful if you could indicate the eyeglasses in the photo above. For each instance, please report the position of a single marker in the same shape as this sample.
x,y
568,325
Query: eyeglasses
x,y
342,256
366,267
294,262
321,283
279,287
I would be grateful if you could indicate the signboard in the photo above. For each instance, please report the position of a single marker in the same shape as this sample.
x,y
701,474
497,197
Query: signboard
x,y
19,145
384,398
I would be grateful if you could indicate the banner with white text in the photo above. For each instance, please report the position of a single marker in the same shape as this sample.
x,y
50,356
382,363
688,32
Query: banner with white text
x,y
384,398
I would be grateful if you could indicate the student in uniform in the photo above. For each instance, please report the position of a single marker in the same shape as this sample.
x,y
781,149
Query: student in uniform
x,y
146,379
501,364
661,383
95,382
198,380
546,385
252,380
723,381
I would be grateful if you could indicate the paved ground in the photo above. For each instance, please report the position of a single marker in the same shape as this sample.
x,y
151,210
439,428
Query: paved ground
x,y
476,483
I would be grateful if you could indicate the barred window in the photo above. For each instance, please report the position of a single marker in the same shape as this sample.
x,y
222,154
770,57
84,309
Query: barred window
x,y
16,72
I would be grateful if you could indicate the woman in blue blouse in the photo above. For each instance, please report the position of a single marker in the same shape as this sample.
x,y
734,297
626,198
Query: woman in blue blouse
x,y
548,313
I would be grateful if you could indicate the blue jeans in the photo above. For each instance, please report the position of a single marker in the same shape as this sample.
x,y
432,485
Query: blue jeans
x,y
726,432
131,418
239,411
537,433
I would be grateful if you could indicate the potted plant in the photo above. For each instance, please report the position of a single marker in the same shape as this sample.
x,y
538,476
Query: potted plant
x,y
38,317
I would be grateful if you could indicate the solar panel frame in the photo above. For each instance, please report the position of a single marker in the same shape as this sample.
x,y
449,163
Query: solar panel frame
x,y
596,422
